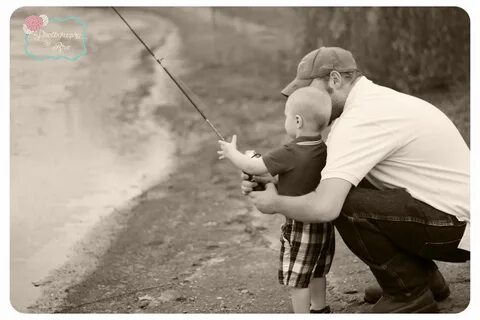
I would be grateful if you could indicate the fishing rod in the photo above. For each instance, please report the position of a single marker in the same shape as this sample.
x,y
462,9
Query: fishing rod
x,y
159,61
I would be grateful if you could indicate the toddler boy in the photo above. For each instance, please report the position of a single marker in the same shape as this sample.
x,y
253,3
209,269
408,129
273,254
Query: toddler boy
x,y
307,249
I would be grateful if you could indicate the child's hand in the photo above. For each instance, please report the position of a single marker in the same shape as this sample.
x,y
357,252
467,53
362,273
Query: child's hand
x,y
228,148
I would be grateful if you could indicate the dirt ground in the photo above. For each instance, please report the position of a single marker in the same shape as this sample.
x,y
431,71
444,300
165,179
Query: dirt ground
x,y
194,244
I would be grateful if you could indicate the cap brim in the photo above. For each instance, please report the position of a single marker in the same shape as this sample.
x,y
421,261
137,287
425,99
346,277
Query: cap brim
x,y
296,84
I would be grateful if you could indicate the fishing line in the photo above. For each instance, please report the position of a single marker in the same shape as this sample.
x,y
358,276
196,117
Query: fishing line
x,y
159,61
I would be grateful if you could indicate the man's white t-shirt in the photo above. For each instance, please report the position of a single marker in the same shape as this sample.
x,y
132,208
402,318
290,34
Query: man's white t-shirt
x,y
400,141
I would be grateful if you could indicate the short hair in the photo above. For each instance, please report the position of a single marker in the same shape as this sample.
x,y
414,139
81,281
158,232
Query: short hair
x,y
351,76
313,105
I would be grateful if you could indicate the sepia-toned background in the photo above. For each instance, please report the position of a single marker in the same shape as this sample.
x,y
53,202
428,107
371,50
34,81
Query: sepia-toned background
x,y
119,203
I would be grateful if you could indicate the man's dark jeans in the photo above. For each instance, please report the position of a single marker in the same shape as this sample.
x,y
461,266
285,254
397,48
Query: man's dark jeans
x,y
398,236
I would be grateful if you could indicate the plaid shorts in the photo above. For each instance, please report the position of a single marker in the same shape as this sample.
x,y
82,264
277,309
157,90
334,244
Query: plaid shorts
x,y
307,252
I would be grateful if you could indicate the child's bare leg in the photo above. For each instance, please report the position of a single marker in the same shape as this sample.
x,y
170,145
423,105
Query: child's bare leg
x,y
300,300
318,288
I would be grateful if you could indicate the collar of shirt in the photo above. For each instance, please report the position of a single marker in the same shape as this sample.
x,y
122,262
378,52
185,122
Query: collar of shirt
x,y
309,140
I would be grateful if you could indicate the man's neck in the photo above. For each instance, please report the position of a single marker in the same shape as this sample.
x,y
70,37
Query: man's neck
x,y
351,86
338,109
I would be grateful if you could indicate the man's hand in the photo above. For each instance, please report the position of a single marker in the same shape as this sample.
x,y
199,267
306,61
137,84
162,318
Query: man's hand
x,y
247,185
265,200
228,148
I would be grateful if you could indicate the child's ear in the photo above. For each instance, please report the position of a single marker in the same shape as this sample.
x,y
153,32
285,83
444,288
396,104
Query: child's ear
x,y
298,121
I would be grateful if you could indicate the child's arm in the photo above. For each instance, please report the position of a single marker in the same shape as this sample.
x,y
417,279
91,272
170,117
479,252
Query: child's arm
x,y
243,162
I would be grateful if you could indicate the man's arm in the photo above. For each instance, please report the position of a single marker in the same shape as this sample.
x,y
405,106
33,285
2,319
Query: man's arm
x,y
322,205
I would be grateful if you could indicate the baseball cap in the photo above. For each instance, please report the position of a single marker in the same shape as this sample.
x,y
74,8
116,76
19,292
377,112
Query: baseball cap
x,y
319,63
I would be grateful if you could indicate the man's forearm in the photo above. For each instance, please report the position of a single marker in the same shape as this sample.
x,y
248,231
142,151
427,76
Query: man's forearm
x,y
322,205
307,208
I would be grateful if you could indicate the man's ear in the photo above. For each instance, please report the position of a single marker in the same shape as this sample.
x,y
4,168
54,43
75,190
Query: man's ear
x,y
335,80
298,121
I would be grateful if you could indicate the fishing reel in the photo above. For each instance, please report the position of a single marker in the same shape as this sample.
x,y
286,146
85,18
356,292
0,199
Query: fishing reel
x,y
260,186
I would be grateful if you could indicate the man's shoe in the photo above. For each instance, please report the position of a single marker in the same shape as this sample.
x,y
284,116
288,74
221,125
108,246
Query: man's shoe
x,y
420,303
437,283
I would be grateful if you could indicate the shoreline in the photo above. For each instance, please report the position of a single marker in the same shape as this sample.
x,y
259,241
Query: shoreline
x,y
84,256
84,259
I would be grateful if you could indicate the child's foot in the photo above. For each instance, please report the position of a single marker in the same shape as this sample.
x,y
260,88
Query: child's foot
x,y
324,310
